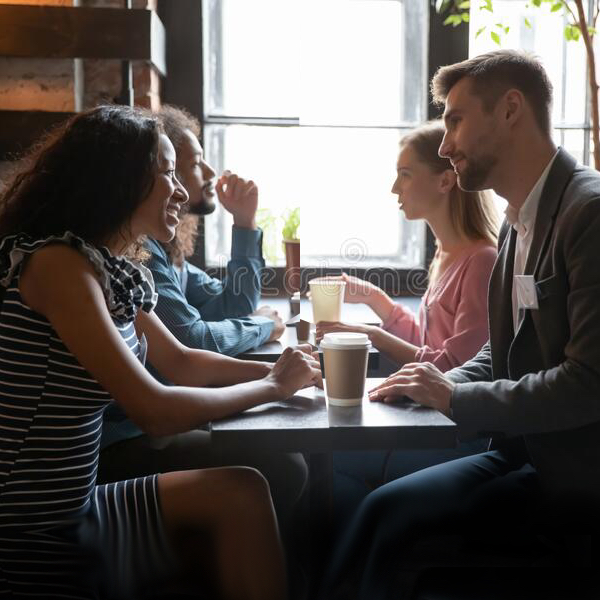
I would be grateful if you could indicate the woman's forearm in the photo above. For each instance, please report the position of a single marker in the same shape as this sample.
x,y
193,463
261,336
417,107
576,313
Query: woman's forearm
x,y
204,368
381,304
397,349
178,409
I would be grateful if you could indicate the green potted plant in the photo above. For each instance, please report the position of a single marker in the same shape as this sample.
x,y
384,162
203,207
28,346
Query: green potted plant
x,y
291,244
267,221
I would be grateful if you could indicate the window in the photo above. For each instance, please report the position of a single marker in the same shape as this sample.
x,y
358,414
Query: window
x,y
310,98
571,115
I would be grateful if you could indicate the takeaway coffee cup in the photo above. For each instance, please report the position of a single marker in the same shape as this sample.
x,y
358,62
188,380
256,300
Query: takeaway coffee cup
x,y
345,361
327,297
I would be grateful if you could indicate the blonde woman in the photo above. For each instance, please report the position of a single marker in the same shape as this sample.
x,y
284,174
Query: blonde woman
x,y
452,324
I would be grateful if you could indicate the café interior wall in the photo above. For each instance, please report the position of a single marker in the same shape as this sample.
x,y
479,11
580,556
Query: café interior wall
x,y
50,84
68,85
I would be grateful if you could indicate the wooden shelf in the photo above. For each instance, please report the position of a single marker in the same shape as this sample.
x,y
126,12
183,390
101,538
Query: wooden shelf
x,y
82,32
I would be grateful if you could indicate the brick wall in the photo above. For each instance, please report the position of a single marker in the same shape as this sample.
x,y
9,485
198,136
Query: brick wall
x,y
69,85
54,84
37,84
102,78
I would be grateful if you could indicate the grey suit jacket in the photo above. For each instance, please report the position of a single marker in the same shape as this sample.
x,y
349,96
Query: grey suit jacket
x,y
542,383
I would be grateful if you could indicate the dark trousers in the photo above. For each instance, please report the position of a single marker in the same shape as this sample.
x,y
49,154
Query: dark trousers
x,y
486,494
357,473
287,474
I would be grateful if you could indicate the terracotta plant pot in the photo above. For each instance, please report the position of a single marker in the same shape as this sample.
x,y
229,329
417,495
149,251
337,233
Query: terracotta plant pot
x,y
291,279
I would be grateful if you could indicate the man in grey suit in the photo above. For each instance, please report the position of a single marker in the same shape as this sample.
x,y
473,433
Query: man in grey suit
x,y
535,386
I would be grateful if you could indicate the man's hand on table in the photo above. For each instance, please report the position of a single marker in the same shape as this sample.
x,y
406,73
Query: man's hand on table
x,y
296,368
271,313
422,382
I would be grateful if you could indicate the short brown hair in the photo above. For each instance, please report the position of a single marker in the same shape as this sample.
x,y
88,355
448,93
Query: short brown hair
x,y
494,73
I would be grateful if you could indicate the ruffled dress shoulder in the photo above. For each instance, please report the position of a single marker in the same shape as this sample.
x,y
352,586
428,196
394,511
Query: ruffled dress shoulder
x,y
127,286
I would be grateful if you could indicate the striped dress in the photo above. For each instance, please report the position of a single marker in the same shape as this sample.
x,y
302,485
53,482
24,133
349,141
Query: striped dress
x,y
61,536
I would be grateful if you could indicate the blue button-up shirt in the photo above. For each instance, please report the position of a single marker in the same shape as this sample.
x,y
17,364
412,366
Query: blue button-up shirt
x,y
208,313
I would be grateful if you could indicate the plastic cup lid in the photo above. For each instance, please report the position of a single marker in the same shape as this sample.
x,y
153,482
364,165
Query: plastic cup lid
x,y
345,340
325,281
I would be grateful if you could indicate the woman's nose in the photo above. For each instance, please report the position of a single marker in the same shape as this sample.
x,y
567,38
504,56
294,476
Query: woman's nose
x,y
180,192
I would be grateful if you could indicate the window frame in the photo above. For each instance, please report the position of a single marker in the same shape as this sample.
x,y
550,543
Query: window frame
x,y
183,86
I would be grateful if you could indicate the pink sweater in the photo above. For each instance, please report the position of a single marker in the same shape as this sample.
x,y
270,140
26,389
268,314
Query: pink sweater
x,y
453,317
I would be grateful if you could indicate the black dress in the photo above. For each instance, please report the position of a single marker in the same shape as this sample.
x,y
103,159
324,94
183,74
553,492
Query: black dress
x,y
61,536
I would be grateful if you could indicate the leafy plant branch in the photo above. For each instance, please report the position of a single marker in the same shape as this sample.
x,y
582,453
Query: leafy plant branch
x,y
458,12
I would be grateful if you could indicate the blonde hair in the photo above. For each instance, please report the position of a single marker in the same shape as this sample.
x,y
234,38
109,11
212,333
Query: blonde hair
x,y
473,214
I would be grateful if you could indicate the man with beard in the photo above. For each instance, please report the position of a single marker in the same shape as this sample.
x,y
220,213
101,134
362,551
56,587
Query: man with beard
x,y
534,388
201,311
206,313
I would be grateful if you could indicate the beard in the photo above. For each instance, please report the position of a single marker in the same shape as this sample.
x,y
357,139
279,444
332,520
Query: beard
x,y
205,207
476,172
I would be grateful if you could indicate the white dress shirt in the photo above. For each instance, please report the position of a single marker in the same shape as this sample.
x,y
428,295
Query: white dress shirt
x,y
523,222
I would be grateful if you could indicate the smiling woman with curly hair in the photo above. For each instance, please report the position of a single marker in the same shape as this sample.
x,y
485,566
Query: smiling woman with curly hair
x,y
204,313
76,325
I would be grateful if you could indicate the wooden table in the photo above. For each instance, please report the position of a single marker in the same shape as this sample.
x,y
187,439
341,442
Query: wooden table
x,y
305,423
271,351
351,313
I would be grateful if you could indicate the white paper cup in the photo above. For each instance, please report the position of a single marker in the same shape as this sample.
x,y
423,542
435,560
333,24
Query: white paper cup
x,y
327,298
345,358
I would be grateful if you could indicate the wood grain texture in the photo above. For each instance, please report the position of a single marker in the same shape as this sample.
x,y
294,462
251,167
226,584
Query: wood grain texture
x,y
80,32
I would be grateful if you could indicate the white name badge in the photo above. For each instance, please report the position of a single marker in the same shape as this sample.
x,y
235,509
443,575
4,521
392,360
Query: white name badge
x,y
526,292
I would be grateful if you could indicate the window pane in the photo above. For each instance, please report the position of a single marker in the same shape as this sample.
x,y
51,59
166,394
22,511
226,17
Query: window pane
x,y
546,39
349,215
340,177
572,140
363,62
325,62
252,57
331,64
271,157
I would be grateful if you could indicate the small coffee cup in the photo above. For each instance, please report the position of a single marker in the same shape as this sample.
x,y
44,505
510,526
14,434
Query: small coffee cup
x,y
345,359
302,330
327,298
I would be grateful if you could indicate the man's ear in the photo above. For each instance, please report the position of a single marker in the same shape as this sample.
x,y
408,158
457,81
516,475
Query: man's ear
x,y
513,104
447,180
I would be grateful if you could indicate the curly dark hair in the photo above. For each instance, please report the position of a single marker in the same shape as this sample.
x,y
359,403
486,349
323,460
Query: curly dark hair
x,y
87,176
175,121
